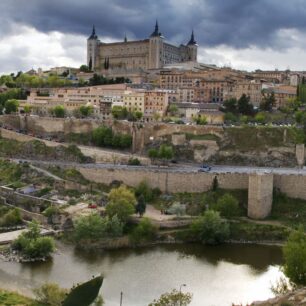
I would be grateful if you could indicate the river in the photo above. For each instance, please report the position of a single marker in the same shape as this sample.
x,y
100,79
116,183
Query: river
x,y
217,276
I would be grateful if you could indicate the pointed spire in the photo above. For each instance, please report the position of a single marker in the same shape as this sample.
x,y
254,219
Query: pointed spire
x,y
125,38
93,34
156,30
192,40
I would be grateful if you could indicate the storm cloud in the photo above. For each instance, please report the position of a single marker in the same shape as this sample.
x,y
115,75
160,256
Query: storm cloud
x,y
237,25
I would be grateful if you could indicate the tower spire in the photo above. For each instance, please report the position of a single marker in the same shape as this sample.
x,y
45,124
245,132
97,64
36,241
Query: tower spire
x,y
125,38
93,33
192,41
156,30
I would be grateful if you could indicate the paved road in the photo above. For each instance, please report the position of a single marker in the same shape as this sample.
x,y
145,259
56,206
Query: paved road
x,y
177,168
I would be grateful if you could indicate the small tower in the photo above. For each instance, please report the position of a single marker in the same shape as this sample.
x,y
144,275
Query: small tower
x,y
125,38
92,49
156,52
192,48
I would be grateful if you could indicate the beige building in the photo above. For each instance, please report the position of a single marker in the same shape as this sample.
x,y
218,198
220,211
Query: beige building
x,y
151,53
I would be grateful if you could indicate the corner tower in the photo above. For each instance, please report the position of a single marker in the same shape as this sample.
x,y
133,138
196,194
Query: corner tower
x,y
92,49
156,49
192,48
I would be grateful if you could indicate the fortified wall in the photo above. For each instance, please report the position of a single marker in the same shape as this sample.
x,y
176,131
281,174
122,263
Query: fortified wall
x,y
259,185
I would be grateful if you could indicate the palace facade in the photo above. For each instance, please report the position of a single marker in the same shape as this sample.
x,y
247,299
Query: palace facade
x,y
140,55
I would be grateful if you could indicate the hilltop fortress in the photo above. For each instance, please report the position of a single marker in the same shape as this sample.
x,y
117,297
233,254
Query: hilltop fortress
x,y
139,55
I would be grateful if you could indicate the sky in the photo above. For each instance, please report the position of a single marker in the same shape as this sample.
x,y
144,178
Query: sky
x,y
242,34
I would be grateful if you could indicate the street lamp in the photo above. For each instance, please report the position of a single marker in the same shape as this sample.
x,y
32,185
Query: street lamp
x,y
121,298
183,285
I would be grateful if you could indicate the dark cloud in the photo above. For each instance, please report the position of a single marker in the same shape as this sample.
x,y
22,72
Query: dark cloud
x,y
236,23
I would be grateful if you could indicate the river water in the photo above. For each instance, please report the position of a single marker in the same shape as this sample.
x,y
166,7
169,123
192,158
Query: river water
x,y
217,276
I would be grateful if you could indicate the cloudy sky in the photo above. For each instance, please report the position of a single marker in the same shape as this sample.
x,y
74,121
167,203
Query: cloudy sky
x,y
243,34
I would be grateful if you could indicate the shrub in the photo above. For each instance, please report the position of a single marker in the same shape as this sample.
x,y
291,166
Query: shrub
x,y
145,231
93,227
227,205
50,294
31,245
11,218
51,211
177,209
210,228
134,162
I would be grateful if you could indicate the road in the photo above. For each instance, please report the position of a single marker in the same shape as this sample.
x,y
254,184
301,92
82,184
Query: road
x,y
177,168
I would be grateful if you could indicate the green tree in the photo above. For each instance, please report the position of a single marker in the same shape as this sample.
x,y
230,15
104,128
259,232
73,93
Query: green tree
x,y
102,136
119,112
173,109
141,206
268,101
295,257
227,205
86,111
260,118
210,228
11,218
84,68
230,117
27,108
153,154
173,298
230,105
144,232
11,106
143,189
244,105
50,294
59,111
165,152
215,184
122,203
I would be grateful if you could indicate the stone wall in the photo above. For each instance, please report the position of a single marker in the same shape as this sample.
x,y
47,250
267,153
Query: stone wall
x,y
166,181
294,186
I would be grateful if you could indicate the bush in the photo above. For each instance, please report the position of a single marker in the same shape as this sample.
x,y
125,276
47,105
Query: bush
x,y
134,162
31,245
227,205
210,229
50,294
145,231
177,209
11,218
51,211
93,228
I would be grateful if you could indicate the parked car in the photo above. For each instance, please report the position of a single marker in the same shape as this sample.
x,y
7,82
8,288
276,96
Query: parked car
x,y
92,206
204,168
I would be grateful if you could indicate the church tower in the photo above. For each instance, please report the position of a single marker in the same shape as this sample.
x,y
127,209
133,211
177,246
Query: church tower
x,y
156,49
92,49
192,48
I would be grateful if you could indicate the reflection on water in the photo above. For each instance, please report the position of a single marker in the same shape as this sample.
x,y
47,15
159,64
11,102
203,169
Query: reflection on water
x,y
215,275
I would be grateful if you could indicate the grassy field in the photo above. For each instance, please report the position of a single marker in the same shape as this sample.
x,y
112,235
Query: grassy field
x,y
8,298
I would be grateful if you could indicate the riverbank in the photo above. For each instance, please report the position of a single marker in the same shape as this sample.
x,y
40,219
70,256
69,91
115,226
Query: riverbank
x,y
9,298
